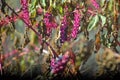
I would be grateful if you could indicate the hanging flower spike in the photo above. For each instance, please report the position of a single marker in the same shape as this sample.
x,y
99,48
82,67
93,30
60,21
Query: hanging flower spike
x,y
63,30
47,19
59,63
95,4
76,24
64,26
25,12
49,22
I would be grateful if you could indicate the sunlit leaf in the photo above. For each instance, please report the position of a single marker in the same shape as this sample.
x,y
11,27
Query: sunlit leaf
x,y
63,1
93,22
110,7
23,65
32,37
103,18
54,4
60,9
43,3
33,13
32,8
102,2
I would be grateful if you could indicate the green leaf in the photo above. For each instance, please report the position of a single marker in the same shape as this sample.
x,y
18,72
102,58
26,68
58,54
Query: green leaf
x,y
103,18
50,2
109,45
102,2
33,13
93,23
23,65
54,4
43,3
32,8
60,9
62,1
33,5
110,5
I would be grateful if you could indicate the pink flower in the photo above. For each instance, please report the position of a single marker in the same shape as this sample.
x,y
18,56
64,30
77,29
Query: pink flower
x,y
25,13
76,24
95,4
63,29
24,2
39,10
49,22
7,20
58,65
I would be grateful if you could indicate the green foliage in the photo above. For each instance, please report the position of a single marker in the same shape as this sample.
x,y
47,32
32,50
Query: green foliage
x,y
93,22
103,19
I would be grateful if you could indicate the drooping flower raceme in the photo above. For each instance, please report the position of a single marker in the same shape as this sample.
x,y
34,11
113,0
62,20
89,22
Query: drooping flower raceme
x,y
76,24
25,12
49,22
63,29
58,64
95,4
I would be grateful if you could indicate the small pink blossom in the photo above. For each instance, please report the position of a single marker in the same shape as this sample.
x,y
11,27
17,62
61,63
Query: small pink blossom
x,y
25,13
95,4
39,10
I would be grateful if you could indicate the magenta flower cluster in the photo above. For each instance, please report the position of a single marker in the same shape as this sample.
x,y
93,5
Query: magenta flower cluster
x,y
95,4
25,12
7,20
76,24
49,22
58,65
63,29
